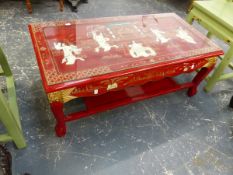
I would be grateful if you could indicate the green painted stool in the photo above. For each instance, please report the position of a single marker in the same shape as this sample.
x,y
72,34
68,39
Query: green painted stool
x,y
217,17
9,114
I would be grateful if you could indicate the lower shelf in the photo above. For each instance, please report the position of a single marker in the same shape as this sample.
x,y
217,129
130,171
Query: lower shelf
x,y
128,95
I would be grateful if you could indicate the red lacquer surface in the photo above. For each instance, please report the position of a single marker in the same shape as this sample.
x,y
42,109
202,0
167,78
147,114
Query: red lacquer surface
x,y
97,63
115,61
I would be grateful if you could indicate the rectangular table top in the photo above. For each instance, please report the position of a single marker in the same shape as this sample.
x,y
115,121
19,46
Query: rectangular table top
x,y
72,52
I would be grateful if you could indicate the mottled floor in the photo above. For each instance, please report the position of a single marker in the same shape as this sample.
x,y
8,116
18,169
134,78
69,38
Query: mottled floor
x,y
170,134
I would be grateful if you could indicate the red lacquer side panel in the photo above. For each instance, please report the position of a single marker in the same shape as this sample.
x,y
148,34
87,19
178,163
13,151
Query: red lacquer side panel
x,y
73,53
114,84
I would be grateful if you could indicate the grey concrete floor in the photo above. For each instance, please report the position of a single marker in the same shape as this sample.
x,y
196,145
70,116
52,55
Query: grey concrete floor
x,y
170,134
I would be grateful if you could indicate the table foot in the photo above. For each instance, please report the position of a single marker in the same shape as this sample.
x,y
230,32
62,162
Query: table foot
x,y
201,75
57,109
60,130
192,91
29,6
74,9
231,102
61,2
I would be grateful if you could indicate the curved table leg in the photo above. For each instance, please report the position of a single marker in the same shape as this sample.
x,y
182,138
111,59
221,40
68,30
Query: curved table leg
x,y
57,109
61,2
201,75
29,6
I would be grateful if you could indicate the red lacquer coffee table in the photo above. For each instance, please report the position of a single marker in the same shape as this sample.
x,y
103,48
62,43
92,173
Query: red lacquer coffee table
x,y
115,61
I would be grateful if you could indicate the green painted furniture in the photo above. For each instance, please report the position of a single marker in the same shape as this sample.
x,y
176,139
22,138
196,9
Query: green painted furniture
x,y
9,115
217,17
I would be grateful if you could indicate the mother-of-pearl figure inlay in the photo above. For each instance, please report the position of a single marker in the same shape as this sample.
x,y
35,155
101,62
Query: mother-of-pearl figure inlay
x,y
110,32
138,50
160,36
183,34
139,30
71,53
102,42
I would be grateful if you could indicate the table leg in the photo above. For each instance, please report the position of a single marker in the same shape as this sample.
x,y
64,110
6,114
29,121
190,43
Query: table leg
x,y
209,35
231,102
190,5
220,69
29,6
61,2
190,18
201,75
57,109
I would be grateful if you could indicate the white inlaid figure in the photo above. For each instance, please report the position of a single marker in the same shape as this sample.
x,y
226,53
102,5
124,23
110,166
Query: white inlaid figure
x,y
139,30
102,42
160,36
183,34
71,53
110,32
138,50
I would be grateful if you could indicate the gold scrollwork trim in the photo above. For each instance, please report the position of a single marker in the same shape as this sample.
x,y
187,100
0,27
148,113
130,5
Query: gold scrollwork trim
x,y
211,62
61,96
